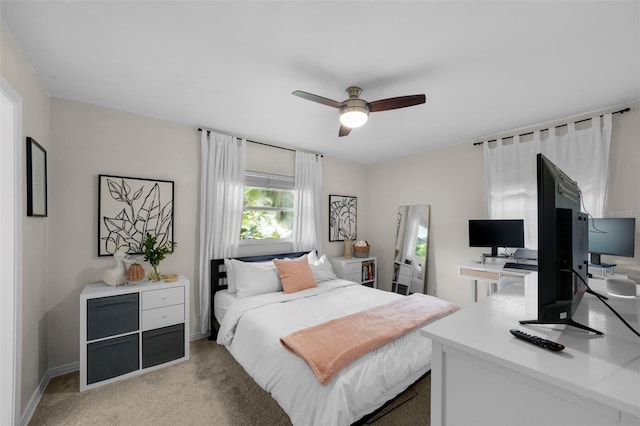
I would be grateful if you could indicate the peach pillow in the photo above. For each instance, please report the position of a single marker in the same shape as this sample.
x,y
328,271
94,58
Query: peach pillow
x,y
295,274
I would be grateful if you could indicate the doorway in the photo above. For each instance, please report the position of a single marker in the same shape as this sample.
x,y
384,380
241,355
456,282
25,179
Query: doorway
x,y
10,251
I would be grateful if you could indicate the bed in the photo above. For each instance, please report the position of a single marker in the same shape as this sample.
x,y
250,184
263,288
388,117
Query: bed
x,y
251,327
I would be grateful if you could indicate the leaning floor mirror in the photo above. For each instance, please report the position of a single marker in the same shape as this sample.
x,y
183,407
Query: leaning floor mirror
x,y
410,260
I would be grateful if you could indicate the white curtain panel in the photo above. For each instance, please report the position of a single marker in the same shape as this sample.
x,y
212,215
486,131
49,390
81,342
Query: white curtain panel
x,y
223,160
510,179
411,232
510,171
307,229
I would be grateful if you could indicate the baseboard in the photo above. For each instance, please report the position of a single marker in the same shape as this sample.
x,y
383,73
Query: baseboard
x,y
197,335
59,371
37,394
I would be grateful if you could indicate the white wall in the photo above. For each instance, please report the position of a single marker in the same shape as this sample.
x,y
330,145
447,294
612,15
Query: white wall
x,y
87,141
451,182
342,177
90,140
17,71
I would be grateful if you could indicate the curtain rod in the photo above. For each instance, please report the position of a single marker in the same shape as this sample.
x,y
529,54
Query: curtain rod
x,y
266,144
622,111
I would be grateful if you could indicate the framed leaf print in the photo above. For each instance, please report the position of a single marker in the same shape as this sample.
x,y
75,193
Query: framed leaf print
x,y
343,217
130,207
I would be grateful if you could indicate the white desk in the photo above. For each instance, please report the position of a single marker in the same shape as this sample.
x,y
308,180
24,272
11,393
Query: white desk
x,y
490,272
481,374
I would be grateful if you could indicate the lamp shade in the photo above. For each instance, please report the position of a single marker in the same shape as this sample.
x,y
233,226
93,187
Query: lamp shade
x,y
353,116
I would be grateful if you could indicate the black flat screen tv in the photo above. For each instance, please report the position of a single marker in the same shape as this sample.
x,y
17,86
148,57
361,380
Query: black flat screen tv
x,y
562,247
505,233
614,236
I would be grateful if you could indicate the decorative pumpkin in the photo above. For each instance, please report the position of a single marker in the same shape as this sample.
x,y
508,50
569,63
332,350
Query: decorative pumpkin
x,y
136,272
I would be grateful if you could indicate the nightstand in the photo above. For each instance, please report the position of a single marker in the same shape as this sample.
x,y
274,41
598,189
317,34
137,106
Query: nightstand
x,y
363,270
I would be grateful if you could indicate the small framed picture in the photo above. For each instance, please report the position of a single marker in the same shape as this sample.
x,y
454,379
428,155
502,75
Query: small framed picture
x,y
36,179
343,217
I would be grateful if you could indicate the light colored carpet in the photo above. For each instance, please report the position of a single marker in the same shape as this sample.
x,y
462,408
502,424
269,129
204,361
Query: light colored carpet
x,y
211,388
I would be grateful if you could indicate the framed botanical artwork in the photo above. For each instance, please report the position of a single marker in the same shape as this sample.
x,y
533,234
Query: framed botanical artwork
x,y
128,209
343,217
36,179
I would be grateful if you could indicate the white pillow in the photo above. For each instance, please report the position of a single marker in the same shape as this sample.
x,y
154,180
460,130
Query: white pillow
x,y
231,278
312,257
254,278
322,269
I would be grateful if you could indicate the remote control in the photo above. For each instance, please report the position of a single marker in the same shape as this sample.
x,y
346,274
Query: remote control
x,y
544,343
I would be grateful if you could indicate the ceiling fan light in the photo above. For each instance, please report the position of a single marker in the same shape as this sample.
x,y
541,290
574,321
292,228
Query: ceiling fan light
x,y
353,116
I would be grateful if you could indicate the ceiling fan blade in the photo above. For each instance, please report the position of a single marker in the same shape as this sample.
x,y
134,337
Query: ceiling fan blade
x,y
395,103
344,130
318,99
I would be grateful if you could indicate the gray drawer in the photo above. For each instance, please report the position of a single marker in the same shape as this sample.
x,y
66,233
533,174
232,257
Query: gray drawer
x,y
112,357
113,315
162,345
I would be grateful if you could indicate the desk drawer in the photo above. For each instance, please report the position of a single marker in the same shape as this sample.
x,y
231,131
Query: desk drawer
x,y
475,274
511,275
162,317
165,297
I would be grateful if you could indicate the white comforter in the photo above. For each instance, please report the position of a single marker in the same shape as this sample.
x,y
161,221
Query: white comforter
x,y
251,330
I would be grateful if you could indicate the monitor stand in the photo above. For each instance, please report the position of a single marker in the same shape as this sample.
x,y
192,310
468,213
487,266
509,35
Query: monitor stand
x,y
566,322
606,269
493,254
489,256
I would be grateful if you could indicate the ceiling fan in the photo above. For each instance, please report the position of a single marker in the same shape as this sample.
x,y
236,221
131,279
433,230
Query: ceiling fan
x,y
354,111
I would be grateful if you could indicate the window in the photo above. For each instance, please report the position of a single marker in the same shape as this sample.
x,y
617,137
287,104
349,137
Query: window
x,y
421,242
268,207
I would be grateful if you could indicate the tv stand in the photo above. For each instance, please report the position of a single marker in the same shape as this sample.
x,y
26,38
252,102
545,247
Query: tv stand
x,y
567,322
476,362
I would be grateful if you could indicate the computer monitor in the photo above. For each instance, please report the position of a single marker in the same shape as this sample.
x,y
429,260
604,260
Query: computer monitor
x,y
562,247
505,233
613,236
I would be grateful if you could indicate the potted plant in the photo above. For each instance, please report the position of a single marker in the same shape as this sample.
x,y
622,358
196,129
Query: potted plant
x,y
154,255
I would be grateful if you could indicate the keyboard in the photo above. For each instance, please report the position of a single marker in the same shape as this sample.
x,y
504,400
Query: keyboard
x,y
527,266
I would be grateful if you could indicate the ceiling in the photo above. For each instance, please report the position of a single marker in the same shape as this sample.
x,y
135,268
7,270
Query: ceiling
x,y
485,66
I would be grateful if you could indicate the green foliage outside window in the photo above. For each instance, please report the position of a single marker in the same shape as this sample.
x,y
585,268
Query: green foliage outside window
x,y
267,213
421,242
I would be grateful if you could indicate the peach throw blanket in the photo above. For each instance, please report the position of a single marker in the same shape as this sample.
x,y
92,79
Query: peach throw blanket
x,y
330,346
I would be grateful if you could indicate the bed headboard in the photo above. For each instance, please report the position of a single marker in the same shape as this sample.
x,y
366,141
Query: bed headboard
x,y
219,278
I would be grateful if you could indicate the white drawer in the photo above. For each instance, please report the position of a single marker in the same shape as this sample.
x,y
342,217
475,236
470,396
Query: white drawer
x,y
353,268
357,277
162,317
165,297
405,272
404,279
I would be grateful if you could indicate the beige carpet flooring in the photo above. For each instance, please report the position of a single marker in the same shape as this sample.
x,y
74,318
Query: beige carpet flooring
x,y
211,388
